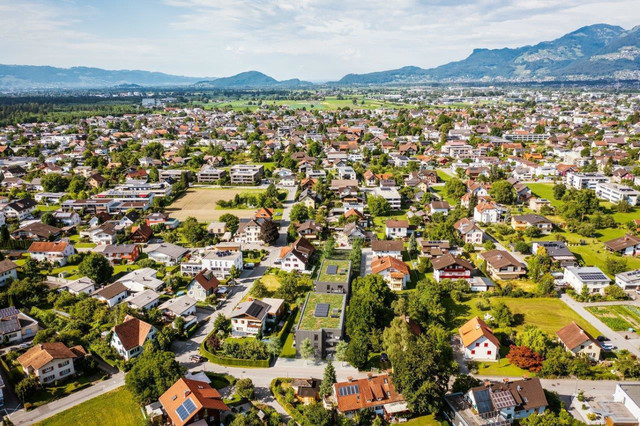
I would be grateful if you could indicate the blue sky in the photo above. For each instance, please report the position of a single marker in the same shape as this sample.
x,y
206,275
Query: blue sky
x,y
310,39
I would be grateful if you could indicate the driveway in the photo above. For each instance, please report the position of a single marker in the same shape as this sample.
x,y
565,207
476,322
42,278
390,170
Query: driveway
x,y
616,338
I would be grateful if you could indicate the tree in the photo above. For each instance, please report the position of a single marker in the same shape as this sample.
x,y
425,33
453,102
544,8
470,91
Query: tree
x,y
422,372
502,315
26,387
615,265
54,182
614,292
549,418
245,389
623,207
152,374
231,221
27,292
329,247
341,351
489,245
503,192
192,231
539,264
413,244
559,191
464,382
329,378
523,357
48,219
627,365
546,285
222,324
96,267
316,415
269,232
455,188
396,338
539,129
378,206
299,213
306,349
259,290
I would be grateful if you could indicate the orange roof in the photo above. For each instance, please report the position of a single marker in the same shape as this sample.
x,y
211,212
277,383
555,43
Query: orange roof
x,y
201,394
45,246
42,354
132,332
366,393
474,329
380,264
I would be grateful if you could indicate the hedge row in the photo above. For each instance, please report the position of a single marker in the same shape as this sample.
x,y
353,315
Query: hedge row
x,y
232,362
15,244
282,335
289,408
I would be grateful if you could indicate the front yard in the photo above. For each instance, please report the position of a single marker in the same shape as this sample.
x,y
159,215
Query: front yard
x,y
113,408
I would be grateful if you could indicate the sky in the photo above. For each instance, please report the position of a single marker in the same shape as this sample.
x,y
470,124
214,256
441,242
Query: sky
x,y
315,40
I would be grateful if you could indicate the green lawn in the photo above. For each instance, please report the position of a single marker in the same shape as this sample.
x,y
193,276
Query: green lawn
x,y
544,190
311,322
440,191
219,381
379,221
549,314
47,208
329,103
429,420
113,408
444,176
342,271
617,317
501,368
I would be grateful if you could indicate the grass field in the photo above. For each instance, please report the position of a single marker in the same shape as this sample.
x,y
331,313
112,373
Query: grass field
x,y
429,420
549,314
113,408
544,190
440,191
341,274
201,204
617,317
329,103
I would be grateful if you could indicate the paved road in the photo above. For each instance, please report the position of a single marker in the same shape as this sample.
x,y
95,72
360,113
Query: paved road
x,y
25,418
616,338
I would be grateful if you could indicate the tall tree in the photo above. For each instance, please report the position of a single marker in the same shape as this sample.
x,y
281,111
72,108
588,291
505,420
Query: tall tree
x,y
329,378
96,267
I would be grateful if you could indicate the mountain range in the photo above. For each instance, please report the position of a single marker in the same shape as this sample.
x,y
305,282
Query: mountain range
x,y
593,52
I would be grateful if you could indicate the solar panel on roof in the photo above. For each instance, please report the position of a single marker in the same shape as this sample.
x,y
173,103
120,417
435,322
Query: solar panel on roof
x,y
182,412
186,409
592,276
483,401
502,400
332,269
349,390
322,310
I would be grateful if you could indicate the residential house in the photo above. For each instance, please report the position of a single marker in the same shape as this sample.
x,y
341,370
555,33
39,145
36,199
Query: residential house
x,y
470,232
166,253
306,390
627,245
249,232
203,285
396,228
489,213
501,265
144,300
557,251
629,280
36,231
439,207
128,338
395,272
296,256
579,342
537,204
244,174
121,253
450,267
142,279
67,218
221,261
20,209
478,340
112,294
590,277
628,394
249,318
192,402
522,222
53,252
433,248
8,272
141,234
376,393
16,326
310,230
50,362
181,306
382,248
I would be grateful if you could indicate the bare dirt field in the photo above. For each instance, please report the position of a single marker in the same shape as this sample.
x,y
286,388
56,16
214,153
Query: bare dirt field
x,y
201,204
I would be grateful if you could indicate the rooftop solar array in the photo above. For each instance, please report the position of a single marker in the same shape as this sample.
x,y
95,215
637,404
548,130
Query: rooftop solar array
x,y
595,276
186,409
322,310
332,269
483,401
502,399
348,390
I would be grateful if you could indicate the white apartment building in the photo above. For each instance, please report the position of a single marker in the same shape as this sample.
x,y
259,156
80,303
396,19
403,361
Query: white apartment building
x,y
615,193
590,276
208,174
392,196
219,262
585,180
244,174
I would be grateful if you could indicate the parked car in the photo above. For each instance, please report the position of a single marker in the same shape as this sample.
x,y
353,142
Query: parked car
x,y
249,265
608,347
602,338
196,358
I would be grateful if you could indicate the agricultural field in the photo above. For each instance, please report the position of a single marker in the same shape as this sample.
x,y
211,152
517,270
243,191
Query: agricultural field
x,y
617,317
113,408
328,104
201,204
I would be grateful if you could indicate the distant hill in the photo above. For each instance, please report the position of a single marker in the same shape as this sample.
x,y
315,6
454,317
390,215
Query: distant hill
x,y
589,53
34,77
253,79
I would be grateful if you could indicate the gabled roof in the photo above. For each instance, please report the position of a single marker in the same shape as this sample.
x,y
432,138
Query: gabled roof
x,y
48,247
40,355
186,397
449,260
256,309
365,393
207,280
384,245
500,258
474,329
622,243
573,335
111,291
132,332
380,264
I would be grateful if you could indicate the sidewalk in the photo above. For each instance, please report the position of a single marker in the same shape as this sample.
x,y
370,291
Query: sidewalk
x,y
23,417
615,337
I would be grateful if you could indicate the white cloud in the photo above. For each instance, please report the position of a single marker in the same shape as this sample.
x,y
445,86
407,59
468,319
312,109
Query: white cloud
x,y
312,39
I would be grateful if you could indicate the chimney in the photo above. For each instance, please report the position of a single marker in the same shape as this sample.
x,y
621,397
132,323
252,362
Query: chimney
x,y
487,383
350,379
187,392
369,375
506,380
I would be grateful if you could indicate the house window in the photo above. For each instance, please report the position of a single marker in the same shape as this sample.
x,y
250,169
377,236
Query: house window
x,y
486,345
49,378
488,352
477,344
473,352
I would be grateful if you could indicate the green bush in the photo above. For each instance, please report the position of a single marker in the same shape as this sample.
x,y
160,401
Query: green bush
x,y
289,408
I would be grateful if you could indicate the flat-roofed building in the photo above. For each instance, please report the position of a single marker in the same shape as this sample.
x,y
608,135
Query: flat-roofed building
x,y
244,174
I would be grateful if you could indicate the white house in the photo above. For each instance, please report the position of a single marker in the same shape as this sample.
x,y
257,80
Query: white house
x,y
181,306
590,276
296,256
144,300
142,279
129,337
480,344
396,228
67,218
54,252
167,253
112,294
202,285
219,261
16,326
629,395
250,317
470,232
629,280
489,213
50,362
393,248
8,272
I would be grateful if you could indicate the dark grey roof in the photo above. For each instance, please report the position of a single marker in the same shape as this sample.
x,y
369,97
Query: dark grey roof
x,y
8,312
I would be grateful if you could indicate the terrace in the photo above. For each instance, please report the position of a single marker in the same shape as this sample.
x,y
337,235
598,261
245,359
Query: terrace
x,y
322,310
